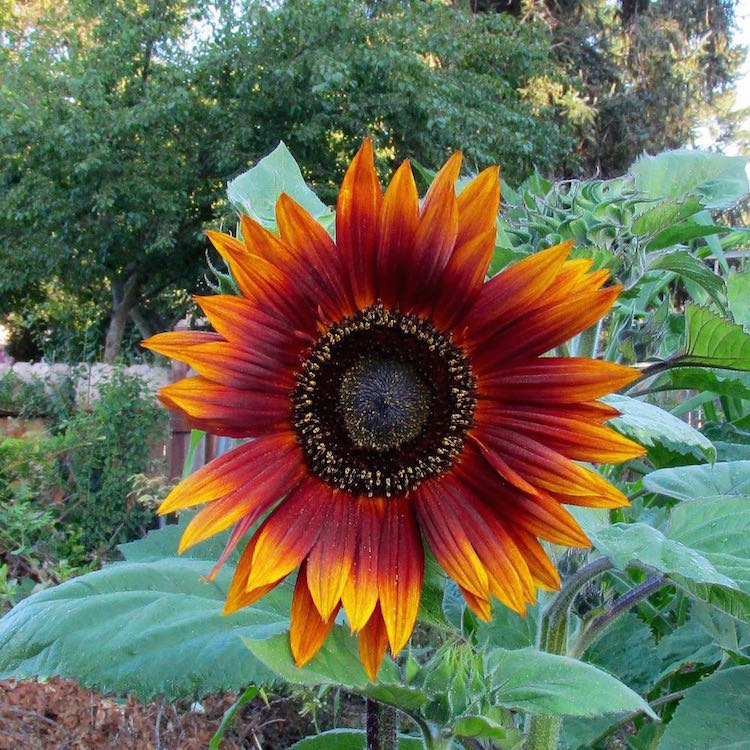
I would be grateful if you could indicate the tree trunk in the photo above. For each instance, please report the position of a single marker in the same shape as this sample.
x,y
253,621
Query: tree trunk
x,y
142,324
124,297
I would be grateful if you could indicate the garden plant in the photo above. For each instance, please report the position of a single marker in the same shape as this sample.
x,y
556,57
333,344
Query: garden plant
x,y
492,470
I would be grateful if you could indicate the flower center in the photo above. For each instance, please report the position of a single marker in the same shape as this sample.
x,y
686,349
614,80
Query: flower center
x,y
383,401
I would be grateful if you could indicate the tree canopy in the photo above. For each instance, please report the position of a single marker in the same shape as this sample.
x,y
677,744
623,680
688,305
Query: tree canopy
x,y
121,122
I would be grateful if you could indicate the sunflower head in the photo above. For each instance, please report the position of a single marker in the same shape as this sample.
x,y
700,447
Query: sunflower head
x,y
391,398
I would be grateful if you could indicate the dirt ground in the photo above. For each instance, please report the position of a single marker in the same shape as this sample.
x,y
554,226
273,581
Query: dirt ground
x,y
59,715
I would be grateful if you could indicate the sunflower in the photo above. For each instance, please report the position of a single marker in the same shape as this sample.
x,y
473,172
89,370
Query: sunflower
x,y
392,396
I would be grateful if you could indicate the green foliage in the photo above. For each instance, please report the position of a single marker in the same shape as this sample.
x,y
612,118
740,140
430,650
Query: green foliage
x,y
68,498
715,714
108,445
657,609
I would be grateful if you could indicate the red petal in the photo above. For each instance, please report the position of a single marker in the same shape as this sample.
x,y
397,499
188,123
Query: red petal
x,y
307,630
556,380
360,594
373,640
357,212
399,219
330,559
230,472
286,536
400,571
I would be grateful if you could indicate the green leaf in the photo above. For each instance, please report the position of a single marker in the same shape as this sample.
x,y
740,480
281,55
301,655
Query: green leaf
x,y
687,644
719,181
626,544
719,528
713,341
479,726
542,683
738,294
350,739
256,191
714,715
681,233
147,628
658,430
337,663
627,650
693,482
662,214
685,265
731,444
731,383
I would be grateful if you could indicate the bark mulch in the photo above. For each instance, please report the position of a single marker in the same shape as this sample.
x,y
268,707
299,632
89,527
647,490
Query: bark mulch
x,y
60,715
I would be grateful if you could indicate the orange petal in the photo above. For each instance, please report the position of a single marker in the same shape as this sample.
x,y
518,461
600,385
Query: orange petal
x,y
506,472
223,410
286,536
360,594
238,596
516,289
242,527
315,255
330,559
248,502
307,629
447,539
556,380
357,212
261,281
400,571
542,570
373,640
436,235
478,203
480,607
229,472
172,343
544,328
399,219
547,469
247,326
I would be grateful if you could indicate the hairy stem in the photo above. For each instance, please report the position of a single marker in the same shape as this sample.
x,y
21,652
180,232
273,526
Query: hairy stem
x,y
544,731
600,623
381,726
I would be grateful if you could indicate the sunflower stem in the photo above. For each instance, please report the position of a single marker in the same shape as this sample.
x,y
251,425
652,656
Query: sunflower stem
x,y
544,731
381,726
596,626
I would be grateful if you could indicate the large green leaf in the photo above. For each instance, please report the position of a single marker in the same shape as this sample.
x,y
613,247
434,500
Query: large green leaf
x,y
148,628
719,528
733,383
659,215
685,265
683,232
738,293
731,443
694,482
658,430
337,663
719,181
542,683
350,739
627,650
714,715
256,191
639,544
713,341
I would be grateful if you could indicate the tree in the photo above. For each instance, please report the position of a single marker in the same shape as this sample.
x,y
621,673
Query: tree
x,y
104,189
652,72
